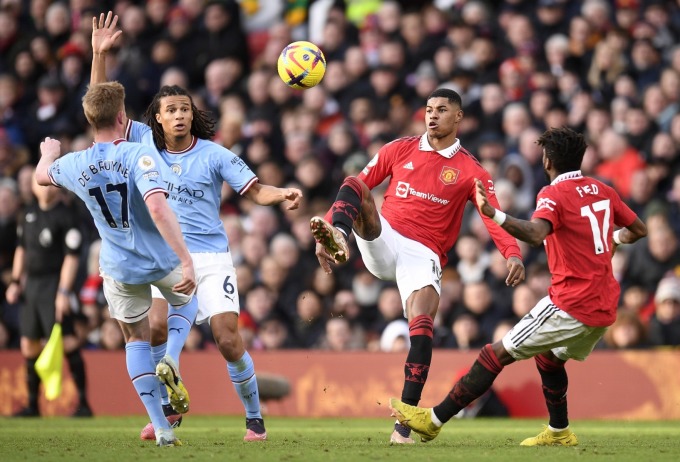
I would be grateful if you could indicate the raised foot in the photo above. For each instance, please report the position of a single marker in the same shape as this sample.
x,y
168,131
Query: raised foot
x,y
168,374
330,238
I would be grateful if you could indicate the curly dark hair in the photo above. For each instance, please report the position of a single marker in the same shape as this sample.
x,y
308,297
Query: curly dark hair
x,y
564,147
202,125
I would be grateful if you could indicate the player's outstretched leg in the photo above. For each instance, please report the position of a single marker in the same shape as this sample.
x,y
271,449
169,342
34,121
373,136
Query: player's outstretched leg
x,y
328,236
167,373
418,419
549,437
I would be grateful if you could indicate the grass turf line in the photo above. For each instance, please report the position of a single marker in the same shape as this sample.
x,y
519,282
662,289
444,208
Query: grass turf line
x,y
339,439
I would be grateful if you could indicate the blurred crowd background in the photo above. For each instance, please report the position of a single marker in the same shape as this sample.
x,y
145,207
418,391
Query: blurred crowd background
x,y
610,69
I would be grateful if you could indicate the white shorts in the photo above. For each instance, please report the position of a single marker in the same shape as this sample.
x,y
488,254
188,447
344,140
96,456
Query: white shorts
x,y
215,285
546,327
393,257
131,302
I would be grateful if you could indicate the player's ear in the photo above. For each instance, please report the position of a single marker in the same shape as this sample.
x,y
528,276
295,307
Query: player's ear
x,y
459,115
158,118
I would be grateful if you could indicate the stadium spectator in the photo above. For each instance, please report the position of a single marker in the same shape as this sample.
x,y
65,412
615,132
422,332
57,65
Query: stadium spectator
x,y
664,327
309,320
651,260
575,325
395,337
406,253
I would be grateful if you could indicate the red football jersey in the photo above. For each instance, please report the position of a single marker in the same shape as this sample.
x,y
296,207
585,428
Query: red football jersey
x,y
583,212
428,190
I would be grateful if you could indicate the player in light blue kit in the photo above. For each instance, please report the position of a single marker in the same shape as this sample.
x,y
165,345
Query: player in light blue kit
x,y
182,133
122,186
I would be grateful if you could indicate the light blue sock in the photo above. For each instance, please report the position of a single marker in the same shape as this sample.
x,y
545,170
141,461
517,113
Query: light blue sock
x,y
142,373
157,353
242,374
180,321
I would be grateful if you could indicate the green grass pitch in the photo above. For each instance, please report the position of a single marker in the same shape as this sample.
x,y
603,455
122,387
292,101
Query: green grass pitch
x,y
332,439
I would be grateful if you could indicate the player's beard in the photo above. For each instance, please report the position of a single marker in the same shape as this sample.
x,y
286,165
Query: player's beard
x,y
547,175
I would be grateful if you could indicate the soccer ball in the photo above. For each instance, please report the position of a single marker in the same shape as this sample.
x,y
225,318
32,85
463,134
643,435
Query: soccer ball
x,y
301,65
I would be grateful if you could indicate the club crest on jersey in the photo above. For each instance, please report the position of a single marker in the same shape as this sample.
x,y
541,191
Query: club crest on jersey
x,y
176,169
449,175
402,189
146,163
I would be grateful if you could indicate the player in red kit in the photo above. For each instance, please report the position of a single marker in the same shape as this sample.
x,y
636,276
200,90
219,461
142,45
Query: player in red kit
x,y
432,177
575,218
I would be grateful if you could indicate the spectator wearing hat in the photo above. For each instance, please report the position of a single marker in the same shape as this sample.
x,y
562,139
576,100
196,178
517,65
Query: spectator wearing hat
x,y
72,76
222,35
627,13
550,15
395,337
664,327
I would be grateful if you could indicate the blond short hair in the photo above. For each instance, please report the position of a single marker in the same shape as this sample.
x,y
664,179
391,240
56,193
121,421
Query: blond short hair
x,y
102,103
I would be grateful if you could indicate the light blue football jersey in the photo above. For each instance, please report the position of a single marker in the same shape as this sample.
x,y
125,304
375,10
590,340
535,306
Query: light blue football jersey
x,y
113,179
195,186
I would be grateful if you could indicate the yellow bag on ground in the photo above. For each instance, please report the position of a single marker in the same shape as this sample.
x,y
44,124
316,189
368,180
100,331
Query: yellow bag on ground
x,y
49,363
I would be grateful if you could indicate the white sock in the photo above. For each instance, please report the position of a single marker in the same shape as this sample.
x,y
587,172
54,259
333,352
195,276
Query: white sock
x,y
556,429
435,419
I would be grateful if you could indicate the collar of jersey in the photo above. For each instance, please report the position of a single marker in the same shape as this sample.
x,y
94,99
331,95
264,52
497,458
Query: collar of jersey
x,y
575,175
194,140
448,152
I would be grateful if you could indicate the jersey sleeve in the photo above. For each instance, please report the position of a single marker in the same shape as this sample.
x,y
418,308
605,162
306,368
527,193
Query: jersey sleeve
x,y
138,132
146,171
234,170
379,168
506,244
547,207
623,215
62,173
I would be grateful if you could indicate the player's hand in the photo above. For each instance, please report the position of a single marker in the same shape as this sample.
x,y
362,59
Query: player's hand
x,y
104,33
62,306
188,283
12,293
516,272
325,259
294,196
50,148
483,201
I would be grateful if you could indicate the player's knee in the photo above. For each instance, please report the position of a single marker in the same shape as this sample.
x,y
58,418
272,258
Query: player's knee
x,y
230,346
